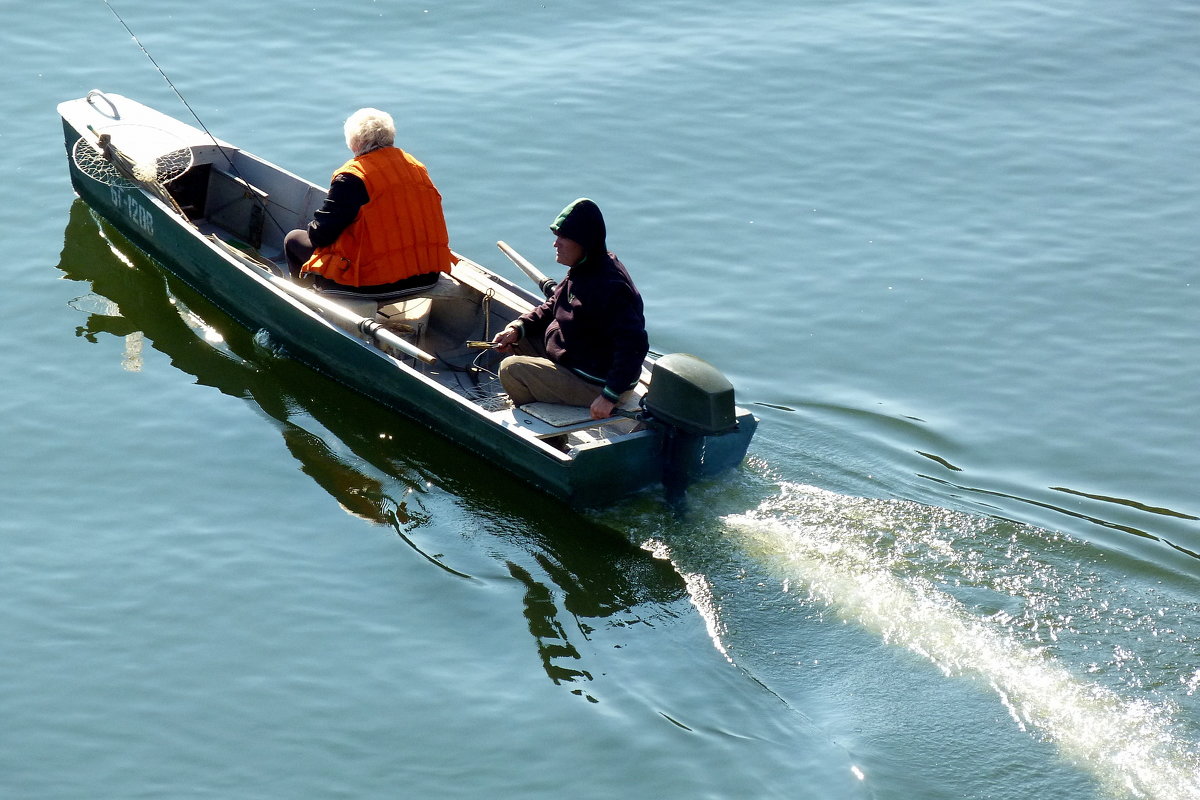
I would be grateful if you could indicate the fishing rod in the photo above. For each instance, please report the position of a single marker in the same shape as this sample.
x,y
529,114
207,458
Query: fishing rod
x,y
232,166
146,52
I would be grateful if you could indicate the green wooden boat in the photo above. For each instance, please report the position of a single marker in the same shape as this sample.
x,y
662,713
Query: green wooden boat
x,y
215,216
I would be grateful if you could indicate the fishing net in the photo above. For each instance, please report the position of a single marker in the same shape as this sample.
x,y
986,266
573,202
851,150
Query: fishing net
x,y
137,154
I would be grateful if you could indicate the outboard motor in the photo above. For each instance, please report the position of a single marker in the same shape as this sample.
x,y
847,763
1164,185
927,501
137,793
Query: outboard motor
x,y
692,399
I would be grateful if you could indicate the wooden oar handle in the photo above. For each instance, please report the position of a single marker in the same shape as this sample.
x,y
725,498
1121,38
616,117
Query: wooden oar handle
x,y
537,276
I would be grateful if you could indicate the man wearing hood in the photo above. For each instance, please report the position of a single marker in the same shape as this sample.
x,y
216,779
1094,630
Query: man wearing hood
x,y
585,345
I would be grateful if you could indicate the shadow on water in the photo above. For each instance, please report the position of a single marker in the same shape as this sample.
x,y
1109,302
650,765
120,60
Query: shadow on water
x,y
576,574
995,603
375,464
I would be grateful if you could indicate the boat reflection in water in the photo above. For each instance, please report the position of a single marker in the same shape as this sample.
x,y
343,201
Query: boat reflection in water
x,y
335,436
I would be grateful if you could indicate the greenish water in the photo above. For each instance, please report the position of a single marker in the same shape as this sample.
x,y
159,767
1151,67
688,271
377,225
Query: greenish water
x,y
947,254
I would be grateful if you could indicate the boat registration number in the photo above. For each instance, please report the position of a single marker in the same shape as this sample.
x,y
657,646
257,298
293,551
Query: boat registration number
x,y
128,203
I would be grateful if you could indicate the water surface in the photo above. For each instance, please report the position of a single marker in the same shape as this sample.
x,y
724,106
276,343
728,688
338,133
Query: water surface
x,y
946,253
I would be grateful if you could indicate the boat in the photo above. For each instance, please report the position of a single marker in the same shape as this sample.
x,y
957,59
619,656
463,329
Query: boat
x,y
215,216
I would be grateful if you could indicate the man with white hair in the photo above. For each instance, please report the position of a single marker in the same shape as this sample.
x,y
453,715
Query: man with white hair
x,y
381,228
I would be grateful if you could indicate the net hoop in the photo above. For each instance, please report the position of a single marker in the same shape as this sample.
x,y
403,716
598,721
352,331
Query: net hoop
x,y
157,156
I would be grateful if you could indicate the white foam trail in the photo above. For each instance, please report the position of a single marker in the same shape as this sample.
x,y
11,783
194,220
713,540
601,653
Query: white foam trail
x,y
820,539
699,592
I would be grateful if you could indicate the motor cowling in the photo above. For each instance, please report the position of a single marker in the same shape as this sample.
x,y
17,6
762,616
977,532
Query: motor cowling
x,y
691,395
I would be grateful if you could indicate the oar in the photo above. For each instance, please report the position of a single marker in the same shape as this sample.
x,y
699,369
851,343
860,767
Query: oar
x,y
537,276
364,324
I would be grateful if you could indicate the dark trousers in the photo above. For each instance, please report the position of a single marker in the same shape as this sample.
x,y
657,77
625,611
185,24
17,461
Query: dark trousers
x,y
298,248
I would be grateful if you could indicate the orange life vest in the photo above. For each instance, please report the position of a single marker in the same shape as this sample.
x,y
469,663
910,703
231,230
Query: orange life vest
x,y
398,233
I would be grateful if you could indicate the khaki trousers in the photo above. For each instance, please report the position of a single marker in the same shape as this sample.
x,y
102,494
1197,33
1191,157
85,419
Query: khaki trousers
x,y
529,379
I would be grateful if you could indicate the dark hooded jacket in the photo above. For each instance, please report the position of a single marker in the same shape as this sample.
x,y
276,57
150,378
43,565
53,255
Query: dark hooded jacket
x,y
593,323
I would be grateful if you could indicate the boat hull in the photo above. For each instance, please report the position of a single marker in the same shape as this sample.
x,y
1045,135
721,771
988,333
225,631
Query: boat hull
x,y
593,474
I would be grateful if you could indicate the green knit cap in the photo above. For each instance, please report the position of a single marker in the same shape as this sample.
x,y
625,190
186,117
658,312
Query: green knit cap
x,y
581,221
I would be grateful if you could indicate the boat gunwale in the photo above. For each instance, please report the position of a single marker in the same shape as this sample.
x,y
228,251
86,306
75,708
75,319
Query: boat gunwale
x,y
470,274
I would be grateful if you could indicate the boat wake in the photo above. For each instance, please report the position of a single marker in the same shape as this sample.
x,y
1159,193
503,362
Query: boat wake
x,y
1010,607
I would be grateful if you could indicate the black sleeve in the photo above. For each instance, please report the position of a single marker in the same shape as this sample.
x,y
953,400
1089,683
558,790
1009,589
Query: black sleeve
x,y
630,343
535,322
347,194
